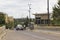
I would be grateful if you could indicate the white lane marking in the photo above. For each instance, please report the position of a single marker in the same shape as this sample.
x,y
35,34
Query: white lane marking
x,y
35,36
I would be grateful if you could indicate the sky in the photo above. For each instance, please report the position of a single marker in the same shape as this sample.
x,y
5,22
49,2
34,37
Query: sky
x,y
19,8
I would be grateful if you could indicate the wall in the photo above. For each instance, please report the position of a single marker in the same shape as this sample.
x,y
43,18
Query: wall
x,y
50,28
2,32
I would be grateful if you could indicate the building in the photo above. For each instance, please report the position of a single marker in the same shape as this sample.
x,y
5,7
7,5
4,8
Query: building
x,y
41,18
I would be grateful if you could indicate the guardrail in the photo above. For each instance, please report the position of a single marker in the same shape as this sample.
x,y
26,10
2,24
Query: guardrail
x,y
2,32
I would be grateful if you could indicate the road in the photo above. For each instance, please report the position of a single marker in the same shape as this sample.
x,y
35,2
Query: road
x,y
29,35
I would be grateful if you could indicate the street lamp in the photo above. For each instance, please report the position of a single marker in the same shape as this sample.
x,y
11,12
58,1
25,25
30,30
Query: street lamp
x,y
48,12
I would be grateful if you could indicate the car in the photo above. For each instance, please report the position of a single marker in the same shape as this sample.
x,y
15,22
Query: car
x,y
19,27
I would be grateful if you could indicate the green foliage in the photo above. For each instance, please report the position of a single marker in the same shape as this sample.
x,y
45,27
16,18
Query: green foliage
x,y
2,18
10,25
18,21
26,21
56,14
22,21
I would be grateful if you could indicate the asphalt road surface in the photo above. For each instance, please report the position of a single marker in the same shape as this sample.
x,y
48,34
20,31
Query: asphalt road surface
x,y
28,35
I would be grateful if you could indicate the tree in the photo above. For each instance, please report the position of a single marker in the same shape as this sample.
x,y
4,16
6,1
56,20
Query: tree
x,y
26,21
2,18
56,13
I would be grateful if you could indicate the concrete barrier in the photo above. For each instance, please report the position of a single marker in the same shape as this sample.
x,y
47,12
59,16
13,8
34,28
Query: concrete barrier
x,y
51,28
2,32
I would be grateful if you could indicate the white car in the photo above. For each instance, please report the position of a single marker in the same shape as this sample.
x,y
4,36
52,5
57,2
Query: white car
x,y
19,27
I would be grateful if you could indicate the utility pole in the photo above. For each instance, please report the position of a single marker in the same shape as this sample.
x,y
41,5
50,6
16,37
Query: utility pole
x,y
48,12
29,4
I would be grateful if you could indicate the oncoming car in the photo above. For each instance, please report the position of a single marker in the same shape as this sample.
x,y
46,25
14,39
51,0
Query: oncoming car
x,y
19,27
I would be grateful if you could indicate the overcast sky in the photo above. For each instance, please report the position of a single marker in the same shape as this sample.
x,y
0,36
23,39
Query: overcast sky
x,y
19,8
